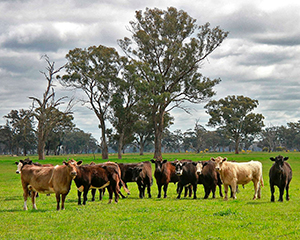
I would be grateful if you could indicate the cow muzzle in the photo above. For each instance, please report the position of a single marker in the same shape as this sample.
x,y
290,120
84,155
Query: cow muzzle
x,y
18,172
178,173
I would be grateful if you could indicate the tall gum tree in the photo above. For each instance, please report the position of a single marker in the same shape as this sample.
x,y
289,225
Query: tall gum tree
x,y
234,115
169,48
94,70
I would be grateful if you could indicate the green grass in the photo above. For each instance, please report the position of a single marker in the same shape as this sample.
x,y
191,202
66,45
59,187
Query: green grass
x,y
135,218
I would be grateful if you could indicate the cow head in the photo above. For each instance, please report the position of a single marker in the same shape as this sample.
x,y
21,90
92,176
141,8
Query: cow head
x,y
279,162
136,172
218,161
200,165
21,164
178,167
158,164
72,166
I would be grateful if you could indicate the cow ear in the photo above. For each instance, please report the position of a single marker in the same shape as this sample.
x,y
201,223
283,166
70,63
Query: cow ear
x,y
16,163
272,159
204,164
174,164
212,159
184,163
224,159
140,169
195,163
80,162
286,158
65,163
22,161
164,161
30,162
152,161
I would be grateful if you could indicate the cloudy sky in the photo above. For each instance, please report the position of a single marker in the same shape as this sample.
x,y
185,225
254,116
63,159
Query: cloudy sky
x,y
259,59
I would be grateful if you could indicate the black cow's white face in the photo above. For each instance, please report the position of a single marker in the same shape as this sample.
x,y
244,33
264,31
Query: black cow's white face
x,y
178,168
199,168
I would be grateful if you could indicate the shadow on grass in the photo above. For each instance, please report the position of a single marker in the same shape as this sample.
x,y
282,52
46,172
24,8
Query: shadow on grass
x,y
254,202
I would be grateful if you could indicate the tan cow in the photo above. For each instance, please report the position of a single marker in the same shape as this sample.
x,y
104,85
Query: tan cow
x,y
233,173
48,180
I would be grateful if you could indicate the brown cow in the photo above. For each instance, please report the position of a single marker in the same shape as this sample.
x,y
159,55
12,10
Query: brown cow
x,y
48,180
106,175
233,173
142,175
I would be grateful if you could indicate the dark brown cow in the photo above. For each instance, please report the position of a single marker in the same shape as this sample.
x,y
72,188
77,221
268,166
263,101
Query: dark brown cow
x,y
280,175
209,177
142,175
48,180
97,176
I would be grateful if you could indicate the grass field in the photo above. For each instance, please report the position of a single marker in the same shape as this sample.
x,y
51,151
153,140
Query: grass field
x,y
134,218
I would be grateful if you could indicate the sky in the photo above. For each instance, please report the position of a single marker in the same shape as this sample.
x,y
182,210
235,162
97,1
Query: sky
x,y
259,59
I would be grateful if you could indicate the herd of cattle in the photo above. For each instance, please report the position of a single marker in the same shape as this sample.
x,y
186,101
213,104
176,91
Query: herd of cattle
x,y
37,178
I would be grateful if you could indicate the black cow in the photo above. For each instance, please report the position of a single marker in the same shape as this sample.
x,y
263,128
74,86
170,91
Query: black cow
x,y
209,177
280,175
187,173
142,175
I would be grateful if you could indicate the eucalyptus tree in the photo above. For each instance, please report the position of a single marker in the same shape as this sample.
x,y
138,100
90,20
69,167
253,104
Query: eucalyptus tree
x,y
46,109
234,115
22,130
169,48
94,70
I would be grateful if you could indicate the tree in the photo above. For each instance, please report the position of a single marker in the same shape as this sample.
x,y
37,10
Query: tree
x,y
169,49
94,70
23,136
233,114
123,104
46,111
195,138
143,132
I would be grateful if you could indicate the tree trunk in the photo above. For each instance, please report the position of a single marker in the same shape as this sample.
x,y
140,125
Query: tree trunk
x,y
41,142
120,145
237,143
104,146
142,144
158,128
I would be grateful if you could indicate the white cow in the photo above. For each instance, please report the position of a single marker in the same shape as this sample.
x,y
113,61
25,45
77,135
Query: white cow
x,y
233,173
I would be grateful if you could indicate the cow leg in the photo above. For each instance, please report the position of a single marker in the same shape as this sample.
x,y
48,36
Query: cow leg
x,y
140,187
207,191
101,192
213,189
256,187
85,193
165,190
93,194
33,199
57,195
180,188
233,189
63,198
272,192
287,192
110,193
79,197
159,190
281,191
185,191
149,190
25,196
226,191
220,190
259,191
195,190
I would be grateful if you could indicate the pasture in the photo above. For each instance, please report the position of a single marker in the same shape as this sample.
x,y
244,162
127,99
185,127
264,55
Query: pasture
x,y
134,218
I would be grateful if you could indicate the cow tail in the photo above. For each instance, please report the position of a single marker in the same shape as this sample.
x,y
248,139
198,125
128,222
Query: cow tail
x,y
122,183
261,181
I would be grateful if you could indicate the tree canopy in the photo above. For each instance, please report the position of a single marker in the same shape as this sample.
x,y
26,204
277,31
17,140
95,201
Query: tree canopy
x,y
234,115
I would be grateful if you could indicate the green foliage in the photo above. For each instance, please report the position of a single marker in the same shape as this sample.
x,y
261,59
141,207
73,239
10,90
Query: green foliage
x,y
135,218
234,115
